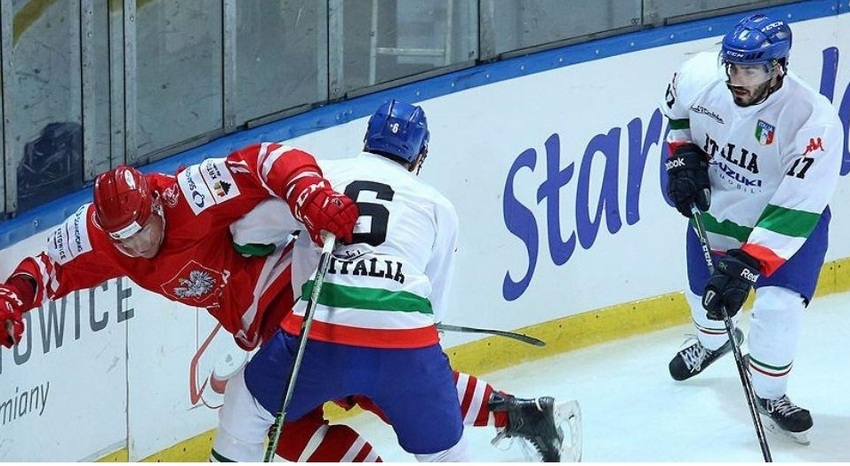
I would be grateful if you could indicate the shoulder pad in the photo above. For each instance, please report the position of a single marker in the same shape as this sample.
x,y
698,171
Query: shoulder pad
x,y
695,74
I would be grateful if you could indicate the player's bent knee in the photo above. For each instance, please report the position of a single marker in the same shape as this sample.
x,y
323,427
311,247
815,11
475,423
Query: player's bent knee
x,y
240,437
228,449
778,301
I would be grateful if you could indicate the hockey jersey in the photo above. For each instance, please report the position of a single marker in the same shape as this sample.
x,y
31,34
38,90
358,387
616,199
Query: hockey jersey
x,y
773,167
196,264
389,287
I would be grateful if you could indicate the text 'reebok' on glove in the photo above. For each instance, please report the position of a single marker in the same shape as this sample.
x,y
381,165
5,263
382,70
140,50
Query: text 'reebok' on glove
x,y
11,316
730,284
320,208
687,178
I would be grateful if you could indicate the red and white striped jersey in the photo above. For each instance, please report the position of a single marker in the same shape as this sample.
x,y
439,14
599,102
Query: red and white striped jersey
x,y
197,264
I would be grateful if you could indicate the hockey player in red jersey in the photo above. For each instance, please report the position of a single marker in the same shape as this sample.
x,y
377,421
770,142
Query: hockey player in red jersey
x,y
170,235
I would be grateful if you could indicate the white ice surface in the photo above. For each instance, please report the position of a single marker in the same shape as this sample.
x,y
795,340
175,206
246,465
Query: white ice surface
x,y
634,412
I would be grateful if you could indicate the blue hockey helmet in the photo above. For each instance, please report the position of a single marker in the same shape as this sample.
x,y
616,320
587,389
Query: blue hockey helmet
x,y
397,129
757,39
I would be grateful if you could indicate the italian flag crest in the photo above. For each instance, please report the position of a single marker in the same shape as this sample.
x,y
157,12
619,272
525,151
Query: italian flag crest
x,y
764,133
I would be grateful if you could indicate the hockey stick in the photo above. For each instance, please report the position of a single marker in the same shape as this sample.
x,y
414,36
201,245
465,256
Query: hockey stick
x,y
501,333
324,260
730,331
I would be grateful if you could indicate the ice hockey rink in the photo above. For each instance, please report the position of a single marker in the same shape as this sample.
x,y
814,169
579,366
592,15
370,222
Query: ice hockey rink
x,y
633,411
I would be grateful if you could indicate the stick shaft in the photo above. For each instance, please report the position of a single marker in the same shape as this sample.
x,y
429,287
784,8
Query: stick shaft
x,y
501,333
322,270
736,351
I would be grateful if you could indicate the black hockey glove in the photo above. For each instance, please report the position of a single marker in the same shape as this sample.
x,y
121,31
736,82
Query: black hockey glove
x,y
733,277
687,179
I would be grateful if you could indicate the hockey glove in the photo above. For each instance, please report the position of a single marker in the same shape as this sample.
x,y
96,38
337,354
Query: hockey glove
x,y
687,179
11,316
728,287
320,208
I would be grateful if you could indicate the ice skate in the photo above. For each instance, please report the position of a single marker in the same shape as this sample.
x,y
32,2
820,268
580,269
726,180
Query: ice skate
x,y
783,417
568,415
541,423
693,359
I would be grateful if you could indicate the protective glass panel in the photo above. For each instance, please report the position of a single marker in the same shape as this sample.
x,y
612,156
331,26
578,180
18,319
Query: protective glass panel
x,y
388,40
705,8
178,74
281,52
42,93
530,23
104,20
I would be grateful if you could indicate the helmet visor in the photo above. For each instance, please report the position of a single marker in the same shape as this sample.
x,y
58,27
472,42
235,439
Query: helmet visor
x,y
145,242
748,74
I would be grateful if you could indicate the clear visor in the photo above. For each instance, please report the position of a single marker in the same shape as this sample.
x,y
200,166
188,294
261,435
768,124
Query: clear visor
x,y
144,242
748,75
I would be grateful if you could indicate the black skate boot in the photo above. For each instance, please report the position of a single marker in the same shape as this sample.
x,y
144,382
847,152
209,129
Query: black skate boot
x,y
782,416
695,358
532,420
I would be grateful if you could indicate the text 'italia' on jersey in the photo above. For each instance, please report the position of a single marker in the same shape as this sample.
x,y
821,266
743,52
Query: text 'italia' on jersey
x,y
742,157
375,268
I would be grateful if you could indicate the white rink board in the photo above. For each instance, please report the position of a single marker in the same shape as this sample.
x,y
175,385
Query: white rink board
x,y
477,135
78,367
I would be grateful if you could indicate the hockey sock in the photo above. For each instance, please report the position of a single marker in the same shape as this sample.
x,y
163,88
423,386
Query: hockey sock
x,y
474,396
313,439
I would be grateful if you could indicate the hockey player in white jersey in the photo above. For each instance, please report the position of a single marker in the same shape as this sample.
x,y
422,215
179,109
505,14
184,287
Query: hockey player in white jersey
x,y
539,424
373,331
759,152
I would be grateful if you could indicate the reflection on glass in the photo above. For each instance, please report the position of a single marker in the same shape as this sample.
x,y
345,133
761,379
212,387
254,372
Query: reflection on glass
x,y
52,165
42,87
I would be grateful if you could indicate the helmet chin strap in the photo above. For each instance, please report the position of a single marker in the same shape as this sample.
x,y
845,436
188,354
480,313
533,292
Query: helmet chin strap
x,y
421,161
157,208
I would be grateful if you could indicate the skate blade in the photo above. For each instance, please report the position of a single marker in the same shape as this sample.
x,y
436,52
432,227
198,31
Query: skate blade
x,y
800,437
568,421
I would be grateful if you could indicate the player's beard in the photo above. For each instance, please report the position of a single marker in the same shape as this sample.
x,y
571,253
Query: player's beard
x,y
744,96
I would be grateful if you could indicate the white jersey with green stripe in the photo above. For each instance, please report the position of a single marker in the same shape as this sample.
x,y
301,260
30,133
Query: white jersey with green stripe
x,y
387,288
773,166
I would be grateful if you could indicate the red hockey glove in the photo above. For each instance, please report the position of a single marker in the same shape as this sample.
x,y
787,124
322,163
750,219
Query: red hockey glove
x,y
11,316
320,208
